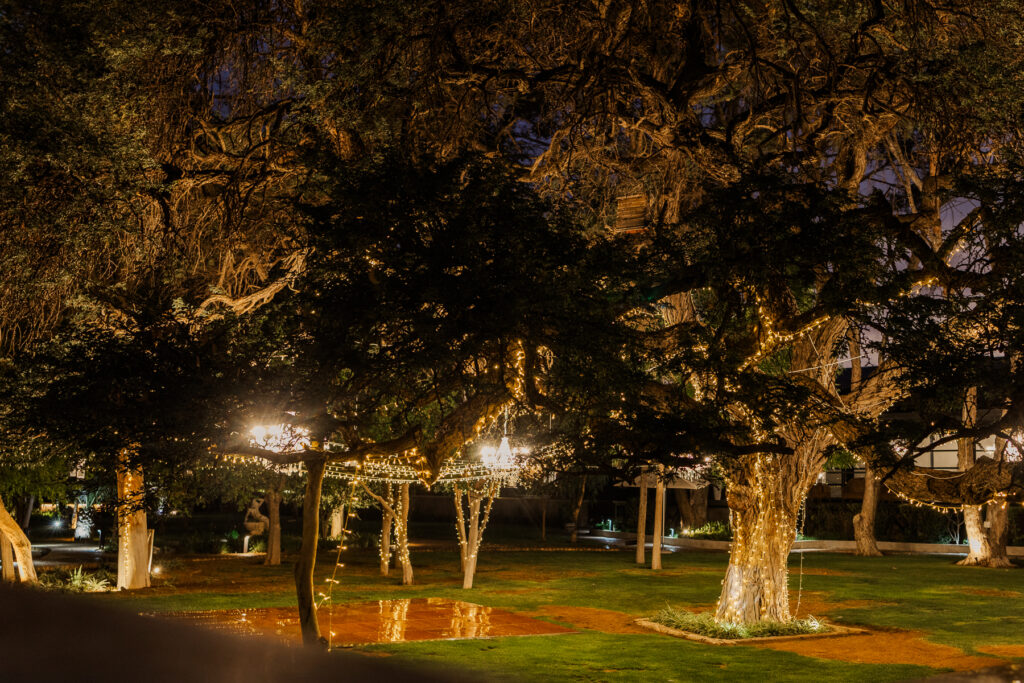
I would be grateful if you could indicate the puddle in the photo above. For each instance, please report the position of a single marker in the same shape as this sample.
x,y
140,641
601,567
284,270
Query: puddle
x,y
382,621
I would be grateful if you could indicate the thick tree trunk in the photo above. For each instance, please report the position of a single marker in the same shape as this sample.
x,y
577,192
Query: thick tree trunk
x,y
306,564
659,523
132,530
544,519
764,495
998,517
576,511
693,507
16,543
641,523
864,521
273,501
979,549
764,528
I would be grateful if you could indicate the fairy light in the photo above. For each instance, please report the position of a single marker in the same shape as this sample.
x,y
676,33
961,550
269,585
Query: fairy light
x,y
347,507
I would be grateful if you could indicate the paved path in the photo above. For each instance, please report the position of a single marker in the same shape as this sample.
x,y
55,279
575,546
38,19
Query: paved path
x,y
67,554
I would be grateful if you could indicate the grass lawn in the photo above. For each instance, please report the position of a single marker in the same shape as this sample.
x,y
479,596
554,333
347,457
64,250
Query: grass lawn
x,y
598,593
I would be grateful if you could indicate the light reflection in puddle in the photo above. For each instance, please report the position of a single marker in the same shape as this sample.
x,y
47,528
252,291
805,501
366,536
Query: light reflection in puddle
x,y
383,621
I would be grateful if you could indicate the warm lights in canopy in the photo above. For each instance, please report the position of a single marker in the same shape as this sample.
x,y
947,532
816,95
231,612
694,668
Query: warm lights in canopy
x,y
281,438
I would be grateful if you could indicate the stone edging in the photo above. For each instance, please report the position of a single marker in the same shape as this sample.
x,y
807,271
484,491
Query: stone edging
x,y
835,631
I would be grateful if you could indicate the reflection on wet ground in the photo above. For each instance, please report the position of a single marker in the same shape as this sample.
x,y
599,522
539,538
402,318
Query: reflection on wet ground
x,y
382,621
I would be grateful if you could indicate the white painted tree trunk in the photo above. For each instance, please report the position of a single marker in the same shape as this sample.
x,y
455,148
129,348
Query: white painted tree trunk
x,y
337,523
864,521
18,545
641,523
659,523
132,530
979,547
7,572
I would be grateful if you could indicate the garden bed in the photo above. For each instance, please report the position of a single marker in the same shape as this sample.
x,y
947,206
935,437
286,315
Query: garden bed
x,y
833,631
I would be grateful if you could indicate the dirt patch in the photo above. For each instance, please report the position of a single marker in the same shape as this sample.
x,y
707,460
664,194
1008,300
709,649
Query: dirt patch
x,y
990,592
604,620
885,647
1003,650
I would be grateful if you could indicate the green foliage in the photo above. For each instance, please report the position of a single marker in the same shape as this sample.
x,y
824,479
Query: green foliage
x,y
704,624
77,580
712,531
841,459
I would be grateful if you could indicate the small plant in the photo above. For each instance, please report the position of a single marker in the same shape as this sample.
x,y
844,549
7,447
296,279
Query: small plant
x,y
704,624
712,531
76,581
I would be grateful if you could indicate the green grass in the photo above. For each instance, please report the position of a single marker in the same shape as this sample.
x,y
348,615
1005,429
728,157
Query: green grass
x,y
952,605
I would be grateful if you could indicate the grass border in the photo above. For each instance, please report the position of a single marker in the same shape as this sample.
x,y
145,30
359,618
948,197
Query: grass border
x,y
835,631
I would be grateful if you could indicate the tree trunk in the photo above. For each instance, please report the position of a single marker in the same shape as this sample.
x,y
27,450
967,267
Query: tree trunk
x,y
576,511
864,521
979,550
471,528
997,515
659,524
132,530
756,582
15,542
460,529
337,522
6,560
764,493
306,564
403,538
641,522
273,501
473,538
693,508
385,541
26,504
699,503
544,519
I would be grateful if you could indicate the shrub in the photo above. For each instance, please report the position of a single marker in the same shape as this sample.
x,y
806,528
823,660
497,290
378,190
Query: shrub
x,y
76,580
712,531
704,624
